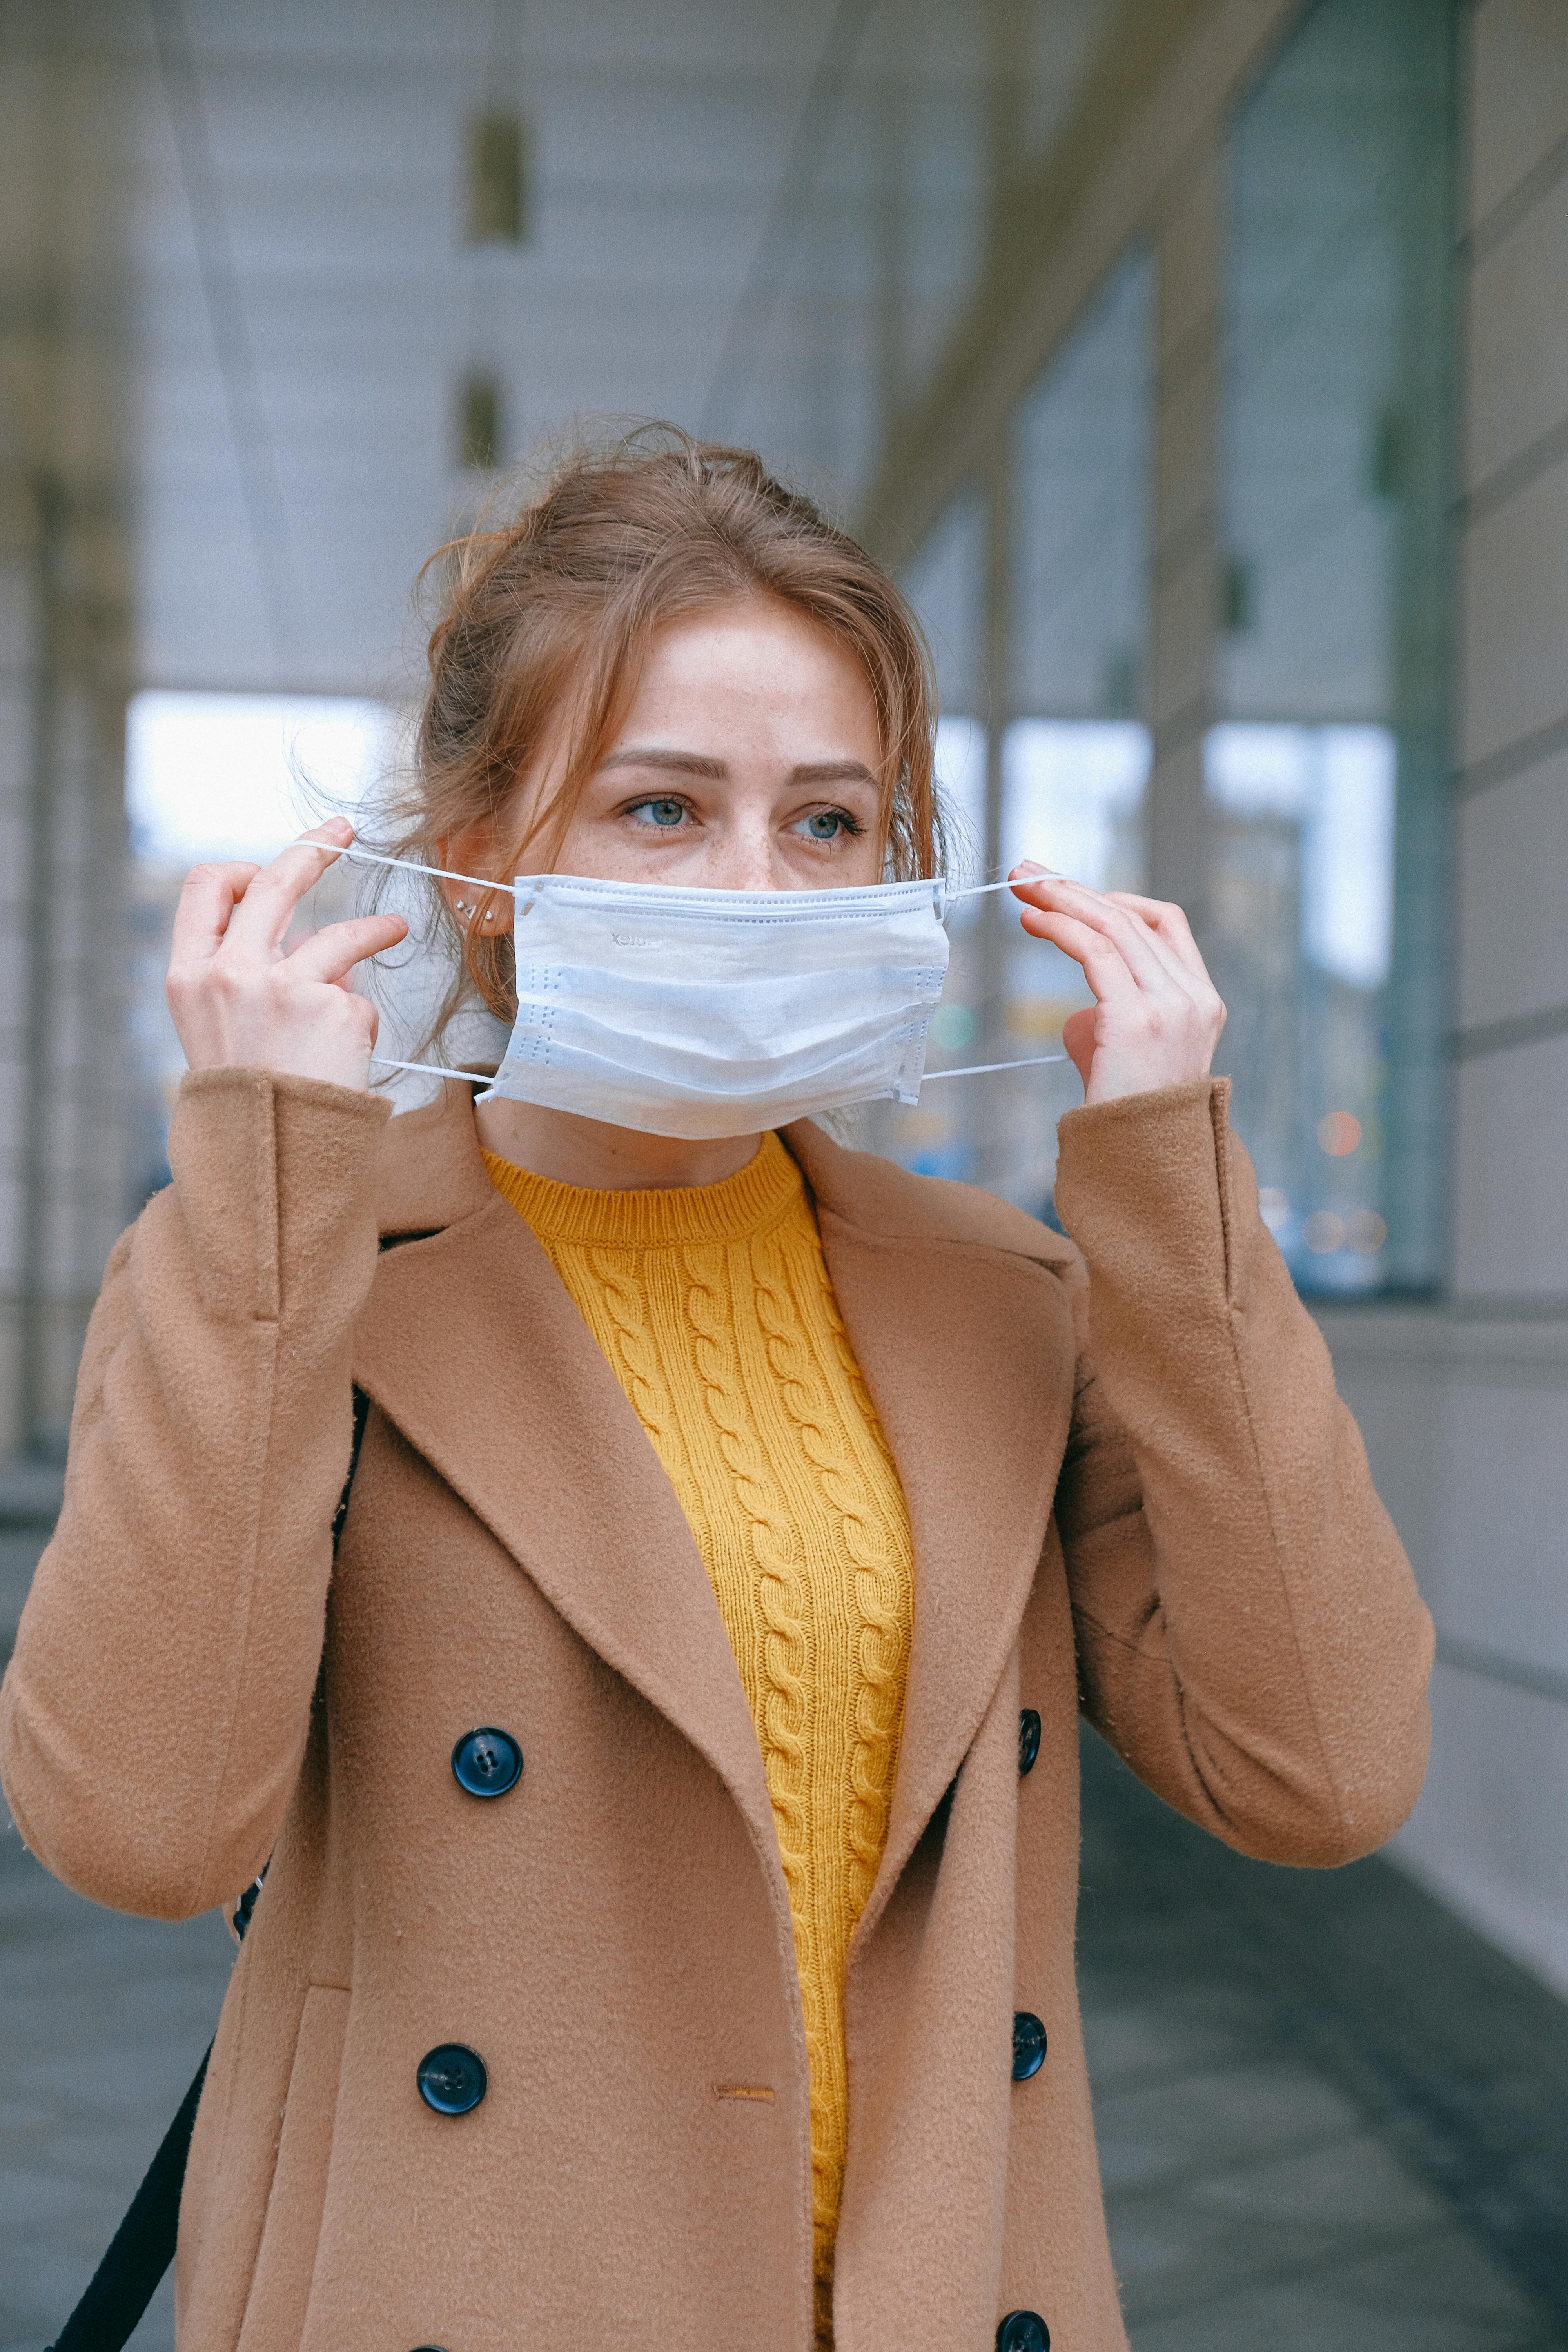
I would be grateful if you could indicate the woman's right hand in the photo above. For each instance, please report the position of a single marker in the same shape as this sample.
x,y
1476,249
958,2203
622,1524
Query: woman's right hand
x,y
239,1000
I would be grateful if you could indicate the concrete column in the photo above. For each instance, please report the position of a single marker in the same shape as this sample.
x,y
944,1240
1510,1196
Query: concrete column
x,y
19,635
1188,527
64,663
995,924
77,1176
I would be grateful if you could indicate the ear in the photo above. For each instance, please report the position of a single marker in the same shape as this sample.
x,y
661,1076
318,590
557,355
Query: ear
x,y
473,907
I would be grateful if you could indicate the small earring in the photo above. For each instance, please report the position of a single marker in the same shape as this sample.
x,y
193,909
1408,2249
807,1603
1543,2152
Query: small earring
x,y
464,905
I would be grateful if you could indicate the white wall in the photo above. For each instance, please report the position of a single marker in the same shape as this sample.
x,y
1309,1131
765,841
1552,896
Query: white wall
x,y
1465,1407
1466,1421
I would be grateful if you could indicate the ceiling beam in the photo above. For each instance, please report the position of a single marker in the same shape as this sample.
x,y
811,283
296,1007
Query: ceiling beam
x,y
1142,123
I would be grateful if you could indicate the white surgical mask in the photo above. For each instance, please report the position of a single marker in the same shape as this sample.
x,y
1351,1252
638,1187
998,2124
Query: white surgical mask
x,y
707,1012
713,1013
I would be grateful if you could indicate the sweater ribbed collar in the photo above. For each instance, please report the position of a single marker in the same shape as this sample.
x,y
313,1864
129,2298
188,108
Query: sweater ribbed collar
x,y
737,1208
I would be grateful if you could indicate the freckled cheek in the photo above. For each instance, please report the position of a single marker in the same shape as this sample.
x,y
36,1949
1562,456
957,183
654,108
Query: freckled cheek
x,y
859,859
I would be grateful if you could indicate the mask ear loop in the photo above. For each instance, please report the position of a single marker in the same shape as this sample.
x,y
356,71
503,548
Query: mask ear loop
x,y
435,1070
928,1077
1009,882
942,897
524,894
945,899
984,1069
437,873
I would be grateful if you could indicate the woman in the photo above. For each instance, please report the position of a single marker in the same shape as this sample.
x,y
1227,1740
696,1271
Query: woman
x,y
668,1787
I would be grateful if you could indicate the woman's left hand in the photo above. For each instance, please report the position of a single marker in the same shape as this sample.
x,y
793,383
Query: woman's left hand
x,y
1158,1017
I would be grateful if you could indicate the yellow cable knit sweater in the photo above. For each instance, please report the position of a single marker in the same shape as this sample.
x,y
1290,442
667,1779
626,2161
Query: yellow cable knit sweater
x,y
713,1308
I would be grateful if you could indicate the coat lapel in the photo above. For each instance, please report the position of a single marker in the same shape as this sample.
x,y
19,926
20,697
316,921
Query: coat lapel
x,y
963,1333
471,1345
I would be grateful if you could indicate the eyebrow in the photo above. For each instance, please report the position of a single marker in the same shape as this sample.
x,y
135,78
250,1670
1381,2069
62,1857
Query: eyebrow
x,y
698,763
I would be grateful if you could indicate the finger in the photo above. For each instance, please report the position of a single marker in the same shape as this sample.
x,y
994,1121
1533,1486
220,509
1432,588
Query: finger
x,y
331,953
1152,966
207,898
1169,925
1171,932
265,913
1151,951
1186,996
1077,1039
1103,965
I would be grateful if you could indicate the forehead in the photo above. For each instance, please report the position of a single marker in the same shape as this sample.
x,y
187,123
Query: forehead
x,y
750,661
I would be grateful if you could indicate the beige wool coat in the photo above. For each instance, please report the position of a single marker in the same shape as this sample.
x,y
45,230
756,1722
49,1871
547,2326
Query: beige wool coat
x,y
1132,1491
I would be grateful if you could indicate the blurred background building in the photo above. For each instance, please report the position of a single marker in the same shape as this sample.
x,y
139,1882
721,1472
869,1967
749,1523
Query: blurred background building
x,y
1201,366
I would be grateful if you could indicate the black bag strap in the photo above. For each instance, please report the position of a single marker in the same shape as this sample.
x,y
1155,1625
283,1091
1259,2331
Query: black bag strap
x,y
142,2247
361,1414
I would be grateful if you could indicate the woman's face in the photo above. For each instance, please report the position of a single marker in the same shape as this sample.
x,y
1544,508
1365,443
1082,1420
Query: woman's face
x,y
747,762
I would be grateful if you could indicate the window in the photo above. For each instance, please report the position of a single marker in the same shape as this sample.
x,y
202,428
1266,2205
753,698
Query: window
x,y
946,585
239,775
1076,751
223,776
1325,777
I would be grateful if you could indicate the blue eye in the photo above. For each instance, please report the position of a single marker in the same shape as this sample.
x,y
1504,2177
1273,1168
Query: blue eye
x,y
826,825
664,813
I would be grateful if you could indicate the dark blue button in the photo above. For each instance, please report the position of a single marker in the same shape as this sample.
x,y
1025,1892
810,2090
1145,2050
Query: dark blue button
x,y
1028,2045
487,1762
1022,2331
1029,1738
452,2078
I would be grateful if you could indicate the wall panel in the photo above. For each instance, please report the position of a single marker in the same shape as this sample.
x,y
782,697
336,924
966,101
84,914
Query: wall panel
x,y
1513,864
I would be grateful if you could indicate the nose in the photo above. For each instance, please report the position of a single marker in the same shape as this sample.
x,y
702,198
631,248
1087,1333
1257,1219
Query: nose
x,y
746,861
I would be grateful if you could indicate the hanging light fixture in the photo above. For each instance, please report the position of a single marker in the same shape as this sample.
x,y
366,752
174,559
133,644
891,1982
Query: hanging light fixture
x,y
497,187
479,421
495,217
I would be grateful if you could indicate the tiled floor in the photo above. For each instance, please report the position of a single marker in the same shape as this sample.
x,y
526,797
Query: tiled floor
x,y
1331,2119
104,2022
1251,2207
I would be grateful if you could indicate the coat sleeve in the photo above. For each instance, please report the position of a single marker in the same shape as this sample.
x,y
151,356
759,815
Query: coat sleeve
x,y
154,1713
1249,1634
